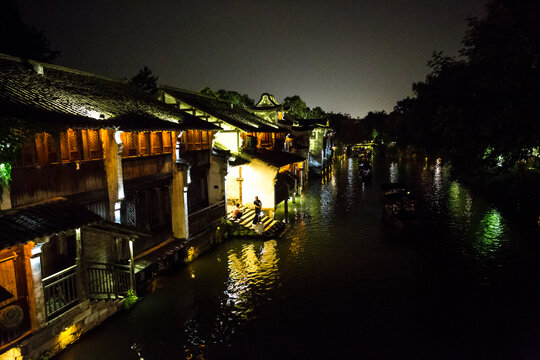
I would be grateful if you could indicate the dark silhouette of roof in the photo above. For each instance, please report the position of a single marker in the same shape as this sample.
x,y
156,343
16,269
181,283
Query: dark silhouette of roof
x,y
30,89
274,157
234,115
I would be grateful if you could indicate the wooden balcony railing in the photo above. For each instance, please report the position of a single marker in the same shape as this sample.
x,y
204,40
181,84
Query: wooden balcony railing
x,y
200,220
107,280
60,292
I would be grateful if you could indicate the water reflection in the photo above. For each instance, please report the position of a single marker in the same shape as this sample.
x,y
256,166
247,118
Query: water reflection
x,y
394,172
459,205
490,235
252,274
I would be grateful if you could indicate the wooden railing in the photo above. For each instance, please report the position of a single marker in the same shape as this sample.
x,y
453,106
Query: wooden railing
x,y
201,219
107,280
60,291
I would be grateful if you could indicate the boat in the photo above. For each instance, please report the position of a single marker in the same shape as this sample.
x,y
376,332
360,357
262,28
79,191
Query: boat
x,y
365,171
399,206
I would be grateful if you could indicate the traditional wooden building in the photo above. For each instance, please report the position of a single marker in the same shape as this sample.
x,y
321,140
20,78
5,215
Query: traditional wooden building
x,y
107,176
313,139
259,165
269,109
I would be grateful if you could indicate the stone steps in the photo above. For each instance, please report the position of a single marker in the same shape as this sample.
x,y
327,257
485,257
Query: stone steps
x,y
271,227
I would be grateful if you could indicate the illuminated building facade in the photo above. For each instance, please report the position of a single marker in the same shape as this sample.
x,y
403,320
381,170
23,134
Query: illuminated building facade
x,y
259,164
104,177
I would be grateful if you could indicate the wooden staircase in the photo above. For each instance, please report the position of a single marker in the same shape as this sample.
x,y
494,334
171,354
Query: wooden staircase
x,y
272,228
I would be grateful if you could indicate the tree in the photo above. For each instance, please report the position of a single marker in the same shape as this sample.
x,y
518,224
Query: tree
x,y
296,107
479,110
20,39
145,80
230,96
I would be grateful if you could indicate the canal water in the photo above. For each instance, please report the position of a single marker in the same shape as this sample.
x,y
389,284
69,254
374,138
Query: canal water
x,y
342,283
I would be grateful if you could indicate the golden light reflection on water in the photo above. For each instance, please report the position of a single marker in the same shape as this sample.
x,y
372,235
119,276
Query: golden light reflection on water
x,y
252,273
297,246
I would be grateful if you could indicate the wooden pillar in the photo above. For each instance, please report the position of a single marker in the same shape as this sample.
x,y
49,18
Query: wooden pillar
x,y
179,200
240,180
112,154
81,284
132,268
37,295
286,205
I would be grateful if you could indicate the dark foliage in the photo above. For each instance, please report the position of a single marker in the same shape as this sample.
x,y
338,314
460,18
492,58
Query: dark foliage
x,y
145,80
478,110
20,39
298,108
232,97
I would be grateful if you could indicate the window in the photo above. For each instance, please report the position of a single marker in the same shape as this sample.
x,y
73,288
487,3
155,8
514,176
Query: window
x,y
157,142
129,139
195,140
69,145
266,139
95,150
144,143
167,142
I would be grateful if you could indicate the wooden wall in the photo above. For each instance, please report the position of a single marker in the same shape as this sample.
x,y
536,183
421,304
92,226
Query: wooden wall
x,y
35,183
145,166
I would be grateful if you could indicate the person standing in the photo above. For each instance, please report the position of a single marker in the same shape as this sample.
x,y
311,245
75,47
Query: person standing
x,y
258,209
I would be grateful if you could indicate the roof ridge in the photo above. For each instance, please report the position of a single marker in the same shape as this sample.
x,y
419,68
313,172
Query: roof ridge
x,y
165,87
60,68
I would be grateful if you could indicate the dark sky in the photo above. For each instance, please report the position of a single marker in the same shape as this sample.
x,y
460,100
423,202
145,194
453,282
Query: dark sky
x,y
345,56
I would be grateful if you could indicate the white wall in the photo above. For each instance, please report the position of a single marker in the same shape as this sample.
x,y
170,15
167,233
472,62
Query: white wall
x,y
216,179
259,181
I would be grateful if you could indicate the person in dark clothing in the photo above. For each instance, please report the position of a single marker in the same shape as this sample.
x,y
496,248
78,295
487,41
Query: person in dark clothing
x,y
258,208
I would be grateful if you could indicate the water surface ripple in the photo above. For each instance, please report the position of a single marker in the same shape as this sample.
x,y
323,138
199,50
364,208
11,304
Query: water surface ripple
x,y
343,283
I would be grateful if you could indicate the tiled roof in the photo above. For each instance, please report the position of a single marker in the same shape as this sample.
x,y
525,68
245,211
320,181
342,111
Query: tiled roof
x,y
313,123
30,223
267,102
33,222
235,116
72,95
274,158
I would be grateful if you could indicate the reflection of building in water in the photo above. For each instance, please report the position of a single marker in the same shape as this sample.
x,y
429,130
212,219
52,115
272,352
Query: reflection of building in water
x,y
437,178
251,273
394,172
459,202
297,246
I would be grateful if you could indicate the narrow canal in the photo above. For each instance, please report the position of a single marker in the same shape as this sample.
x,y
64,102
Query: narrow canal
x,y
343,284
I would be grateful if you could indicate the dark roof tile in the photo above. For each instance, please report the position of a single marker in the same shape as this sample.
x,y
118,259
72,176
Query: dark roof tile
x,y
77,98
235,116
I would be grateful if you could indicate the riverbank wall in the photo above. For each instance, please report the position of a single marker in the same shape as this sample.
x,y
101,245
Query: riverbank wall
x,y
65,330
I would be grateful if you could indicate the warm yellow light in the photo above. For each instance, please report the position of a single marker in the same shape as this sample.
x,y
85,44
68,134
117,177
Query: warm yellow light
x,y
68,336
191,253
11,354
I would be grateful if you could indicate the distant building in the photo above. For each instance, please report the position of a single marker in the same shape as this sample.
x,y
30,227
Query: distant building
x,y
258,166
268,108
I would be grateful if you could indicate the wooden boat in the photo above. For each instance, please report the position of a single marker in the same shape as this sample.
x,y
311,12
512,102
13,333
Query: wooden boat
x,y
399,206
365,171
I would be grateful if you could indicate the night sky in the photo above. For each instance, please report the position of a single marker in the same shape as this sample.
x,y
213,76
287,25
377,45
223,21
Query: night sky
x,y
345,56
